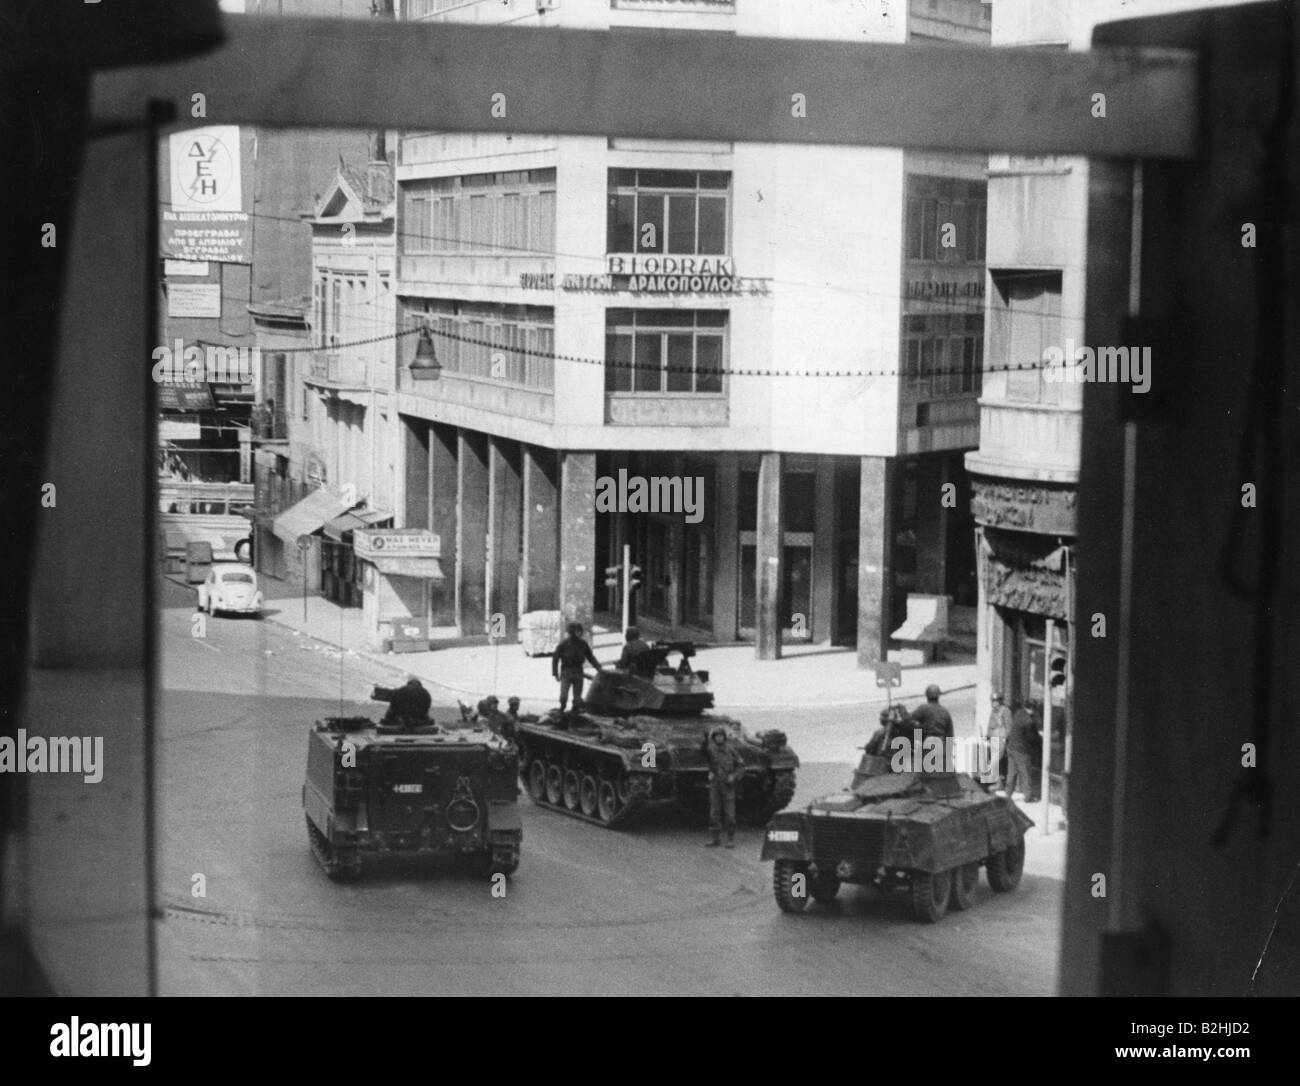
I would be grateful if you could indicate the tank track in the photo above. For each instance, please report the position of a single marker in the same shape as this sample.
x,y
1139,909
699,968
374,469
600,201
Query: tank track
x,y
637,800
783,781
337,866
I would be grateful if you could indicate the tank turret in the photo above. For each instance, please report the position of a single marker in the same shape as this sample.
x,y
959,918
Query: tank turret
x,y
653,685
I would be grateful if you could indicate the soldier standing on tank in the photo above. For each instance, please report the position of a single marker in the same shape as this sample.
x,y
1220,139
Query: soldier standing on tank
x,y
566,666
724,773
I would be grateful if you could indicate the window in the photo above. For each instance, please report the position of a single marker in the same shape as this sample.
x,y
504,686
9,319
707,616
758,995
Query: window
x,y
668,211
943,209
661,351
480,213
511,344
943,354
1026,315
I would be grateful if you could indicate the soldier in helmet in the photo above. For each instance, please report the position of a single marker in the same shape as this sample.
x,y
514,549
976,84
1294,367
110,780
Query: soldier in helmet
x,y
632,649
408,706
724,773
932,718
566,666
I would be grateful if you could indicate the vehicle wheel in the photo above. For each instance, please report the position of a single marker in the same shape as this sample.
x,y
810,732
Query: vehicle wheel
x,y
964,881
537,780
1006,867
790,885
606,801
554,785
505,860
571,785
587,795
930,894
824,888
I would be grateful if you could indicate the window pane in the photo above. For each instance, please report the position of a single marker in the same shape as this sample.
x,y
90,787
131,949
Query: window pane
x,y
648,376
620,224
679,362
618,178
711,318
618,318
666,179
927,229
681,224
618,357
708,364
663,318
715,179
650,223
913,229
713,225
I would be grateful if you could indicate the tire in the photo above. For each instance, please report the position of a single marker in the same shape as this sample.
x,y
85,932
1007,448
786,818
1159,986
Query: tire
x,y
930,895
783,885
587,795
1005,867
554,785
495,860
823,888
572,783
964,881
606,801
537,780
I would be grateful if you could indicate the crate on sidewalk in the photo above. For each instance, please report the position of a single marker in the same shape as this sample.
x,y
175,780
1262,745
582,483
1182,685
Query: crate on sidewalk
x,y
540,632
409,635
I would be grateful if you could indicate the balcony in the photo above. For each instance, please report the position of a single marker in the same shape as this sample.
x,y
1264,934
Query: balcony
x,y
1028,441
336,370
268,425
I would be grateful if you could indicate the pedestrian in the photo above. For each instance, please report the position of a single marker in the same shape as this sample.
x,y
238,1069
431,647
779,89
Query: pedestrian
x,y
932,718
566,666
725,767
633,648
1022,742
999,729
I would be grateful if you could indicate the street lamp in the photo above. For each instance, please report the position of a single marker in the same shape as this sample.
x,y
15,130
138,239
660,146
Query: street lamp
x,y
425,365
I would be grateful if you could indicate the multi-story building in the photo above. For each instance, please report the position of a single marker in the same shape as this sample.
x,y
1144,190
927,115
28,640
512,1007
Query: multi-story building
x,y
607,310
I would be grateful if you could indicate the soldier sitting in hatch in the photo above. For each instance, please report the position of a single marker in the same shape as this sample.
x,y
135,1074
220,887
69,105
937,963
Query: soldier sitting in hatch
x,y
632,651
408,706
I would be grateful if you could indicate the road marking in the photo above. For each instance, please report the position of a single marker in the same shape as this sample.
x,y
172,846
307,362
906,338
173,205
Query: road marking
x,y
203,641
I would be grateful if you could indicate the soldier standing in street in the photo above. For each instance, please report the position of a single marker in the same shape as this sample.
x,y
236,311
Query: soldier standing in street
x,y
566,666
724,772
1021,745
999,730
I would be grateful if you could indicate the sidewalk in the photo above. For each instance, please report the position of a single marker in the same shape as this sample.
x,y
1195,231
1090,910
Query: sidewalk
x,y
807,677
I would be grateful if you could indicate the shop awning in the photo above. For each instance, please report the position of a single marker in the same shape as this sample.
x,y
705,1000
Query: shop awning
x,y
309,515
396,566
356,518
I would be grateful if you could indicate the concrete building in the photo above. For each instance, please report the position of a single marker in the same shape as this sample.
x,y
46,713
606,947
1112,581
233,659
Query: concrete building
x,y
611,310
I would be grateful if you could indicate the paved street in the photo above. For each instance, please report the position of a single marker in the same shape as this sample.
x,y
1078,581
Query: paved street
x,y
589,911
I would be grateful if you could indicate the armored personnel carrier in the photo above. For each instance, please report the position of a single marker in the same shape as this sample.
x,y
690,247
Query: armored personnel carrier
x,y
377,788
641,740
926,833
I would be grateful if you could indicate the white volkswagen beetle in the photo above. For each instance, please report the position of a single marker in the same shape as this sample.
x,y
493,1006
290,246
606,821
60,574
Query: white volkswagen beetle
x,y
232,587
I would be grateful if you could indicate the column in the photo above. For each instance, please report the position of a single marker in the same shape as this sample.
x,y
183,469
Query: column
x,y
824,574
444,488
770,553
577,535
541,529
505,530
471,531
726,546
932,524
415,449
875,551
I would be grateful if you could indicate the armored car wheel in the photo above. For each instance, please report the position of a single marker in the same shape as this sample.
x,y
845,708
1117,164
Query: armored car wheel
x,y
930,895
587,795
554,785
571,786
964,881
790,885
537,780
1006,867
606,801
824,887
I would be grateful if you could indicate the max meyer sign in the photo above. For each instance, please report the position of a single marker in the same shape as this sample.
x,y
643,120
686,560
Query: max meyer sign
x,y
398,542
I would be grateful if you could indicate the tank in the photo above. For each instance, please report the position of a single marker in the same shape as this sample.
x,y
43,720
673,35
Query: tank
x,y
925,833
375,788
641,741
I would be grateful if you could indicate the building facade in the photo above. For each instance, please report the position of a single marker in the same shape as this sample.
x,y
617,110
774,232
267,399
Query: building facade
x,y
608,311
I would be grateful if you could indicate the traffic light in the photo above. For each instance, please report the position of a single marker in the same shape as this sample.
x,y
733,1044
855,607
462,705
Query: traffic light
x,y
612,575
636,578
1057,673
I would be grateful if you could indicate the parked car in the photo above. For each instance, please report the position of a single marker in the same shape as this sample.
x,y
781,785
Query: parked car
x,y
230,587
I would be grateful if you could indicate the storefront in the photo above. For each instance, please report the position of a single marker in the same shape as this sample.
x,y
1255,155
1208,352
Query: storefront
x,y
341,576
399,570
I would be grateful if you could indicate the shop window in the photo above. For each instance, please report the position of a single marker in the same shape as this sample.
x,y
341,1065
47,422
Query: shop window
x,y
658,351
668,211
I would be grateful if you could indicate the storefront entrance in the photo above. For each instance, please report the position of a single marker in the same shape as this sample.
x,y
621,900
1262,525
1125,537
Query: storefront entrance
x,y
796,586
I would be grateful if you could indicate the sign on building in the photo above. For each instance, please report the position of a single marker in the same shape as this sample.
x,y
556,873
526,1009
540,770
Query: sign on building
x,y
194,300
398,542
204,218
